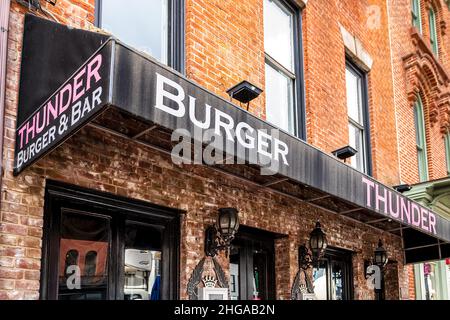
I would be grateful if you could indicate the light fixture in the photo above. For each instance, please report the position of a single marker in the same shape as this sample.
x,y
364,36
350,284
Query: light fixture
x,y
244,92
402,187
219,235
52,2
345,152
317,245
380,255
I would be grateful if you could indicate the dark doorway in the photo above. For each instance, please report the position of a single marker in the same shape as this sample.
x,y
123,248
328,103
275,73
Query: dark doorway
x,y
102,247
332,279
252,269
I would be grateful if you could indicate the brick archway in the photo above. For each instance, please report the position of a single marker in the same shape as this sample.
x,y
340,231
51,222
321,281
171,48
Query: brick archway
x,y
425,75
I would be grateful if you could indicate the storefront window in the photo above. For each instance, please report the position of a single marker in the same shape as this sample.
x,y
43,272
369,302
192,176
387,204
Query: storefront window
x,y
93,252
82,237
142,263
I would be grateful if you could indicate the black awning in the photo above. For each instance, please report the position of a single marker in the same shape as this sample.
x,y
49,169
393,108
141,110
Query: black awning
x,y
128,93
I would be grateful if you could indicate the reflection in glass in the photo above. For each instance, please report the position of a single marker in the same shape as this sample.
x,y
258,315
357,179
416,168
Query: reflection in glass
x,y
91,263
82,235
337,281
279,103
234,272
141,24
259,274
142,263
279,33
320,281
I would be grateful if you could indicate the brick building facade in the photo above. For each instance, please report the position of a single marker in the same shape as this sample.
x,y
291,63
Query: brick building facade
x,y
223,45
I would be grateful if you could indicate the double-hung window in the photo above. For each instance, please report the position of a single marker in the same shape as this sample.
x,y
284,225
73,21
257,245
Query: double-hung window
x,y
416,15
419,123
282,66
358,125
433,32
152,26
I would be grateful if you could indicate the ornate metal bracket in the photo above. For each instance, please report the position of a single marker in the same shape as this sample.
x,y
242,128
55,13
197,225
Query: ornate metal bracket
x,y
214,242
305,260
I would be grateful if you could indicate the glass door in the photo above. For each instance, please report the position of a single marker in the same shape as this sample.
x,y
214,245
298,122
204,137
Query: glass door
x,y
332,279
252,266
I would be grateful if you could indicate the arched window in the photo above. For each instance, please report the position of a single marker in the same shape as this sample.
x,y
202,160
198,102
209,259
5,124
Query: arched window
x,y
90,264
71,259
419,123
416,15
433,31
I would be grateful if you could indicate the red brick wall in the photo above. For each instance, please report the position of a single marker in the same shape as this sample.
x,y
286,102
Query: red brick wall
x,y
223,46
325,79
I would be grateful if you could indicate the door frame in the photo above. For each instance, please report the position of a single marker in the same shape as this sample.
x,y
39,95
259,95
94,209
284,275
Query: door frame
x,y
346,256
60,195
248,236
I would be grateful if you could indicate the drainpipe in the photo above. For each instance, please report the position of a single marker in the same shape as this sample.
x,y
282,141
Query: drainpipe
x,y
4,22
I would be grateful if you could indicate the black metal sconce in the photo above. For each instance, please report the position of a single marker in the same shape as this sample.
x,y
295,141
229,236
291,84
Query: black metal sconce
x,y
219,235
380,255
244,92
345,152
402,188
317,245
380,259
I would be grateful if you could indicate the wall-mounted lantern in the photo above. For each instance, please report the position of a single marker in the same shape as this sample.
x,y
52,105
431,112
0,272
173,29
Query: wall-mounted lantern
x,y
219,235
317,245
380,255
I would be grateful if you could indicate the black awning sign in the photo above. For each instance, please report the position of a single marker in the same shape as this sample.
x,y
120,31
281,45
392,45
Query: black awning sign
x,y
72,105
400,208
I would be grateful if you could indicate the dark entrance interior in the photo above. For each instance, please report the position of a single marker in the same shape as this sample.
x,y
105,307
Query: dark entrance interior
x,y
332,279
252,269
98,247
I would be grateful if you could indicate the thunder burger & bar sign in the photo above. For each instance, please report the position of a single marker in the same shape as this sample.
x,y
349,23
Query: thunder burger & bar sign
x,y
118,76
72,105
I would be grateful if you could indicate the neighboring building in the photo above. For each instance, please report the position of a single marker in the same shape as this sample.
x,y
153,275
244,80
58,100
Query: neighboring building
x,y
107,213
421,65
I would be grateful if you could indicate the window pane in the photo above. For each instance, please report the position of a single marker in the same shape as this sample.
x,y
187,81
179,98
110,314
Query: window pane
x,y
353,83
235,258
83,237
420,140
433,33
142,263
320,281
337,280
278,33
279,99
416,15
141,24
356,141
